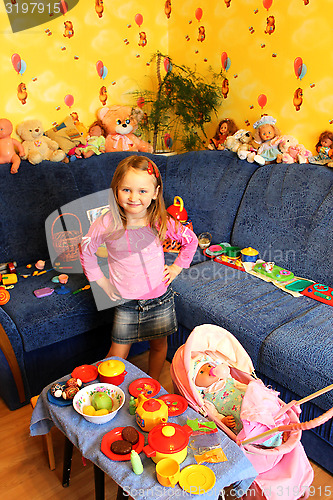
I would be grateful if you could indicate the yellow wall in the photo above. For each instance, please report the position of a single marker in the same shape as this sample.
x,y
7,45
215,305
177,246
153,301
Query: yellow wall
x,y
260,63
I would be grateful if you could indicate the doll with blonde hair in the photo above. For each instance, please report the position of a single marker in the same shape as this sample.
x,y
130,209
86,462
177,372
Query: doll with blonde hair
x,y
266,136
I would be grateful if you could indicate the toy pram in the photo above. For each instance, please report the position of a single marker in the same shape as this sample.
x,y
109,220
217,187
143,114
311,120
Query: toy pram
x,y
283,471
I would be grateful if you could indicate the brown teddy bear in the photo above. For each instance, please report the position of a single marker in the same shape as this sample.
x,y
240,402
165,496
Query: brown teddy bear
x,y
37,147
120,123
22,93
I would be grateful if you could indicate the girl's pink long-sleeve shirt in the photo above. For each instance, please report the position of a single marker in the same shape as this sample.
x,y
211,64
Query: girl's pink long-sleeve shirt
x,y
136,259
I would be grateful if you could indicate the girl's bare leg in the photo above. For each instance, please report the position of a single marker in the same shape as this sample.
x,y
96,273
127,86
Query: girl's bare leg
x,y
120,350
157,355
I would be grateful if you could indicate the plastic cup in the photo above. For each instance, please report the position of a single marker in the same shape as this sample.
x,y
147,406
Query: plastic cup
x,y
204,240
167,472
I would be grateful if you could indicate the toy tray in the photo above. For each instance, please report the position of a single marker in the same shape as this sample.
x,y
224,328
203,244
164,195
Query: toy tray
x,y
322,293
278,273
230,262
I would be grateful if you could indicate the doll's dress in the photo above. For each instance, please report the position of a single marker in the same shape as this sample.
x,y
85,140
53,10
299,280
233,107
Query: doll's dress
x,y
322,158
94,143
228,401
217,142
268,152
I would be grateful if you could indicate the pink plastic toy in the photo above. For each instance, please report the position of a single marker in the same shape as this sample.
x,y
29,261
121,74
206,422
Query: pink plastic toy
x,y
8,145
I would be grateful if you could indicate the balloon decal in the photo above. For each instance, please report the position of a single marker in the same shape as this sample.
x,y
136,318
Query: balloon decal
x,y
167,64
18,64
139,19
262,100
225,61
69,100
198,14
168,140
140,102
299,68
267,3
102,70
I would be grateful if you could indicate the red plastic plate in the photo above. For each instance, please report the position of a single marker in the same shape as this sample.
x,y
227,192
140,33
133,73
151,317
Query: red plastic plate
x,y
86,373
176,404
149,387
115,435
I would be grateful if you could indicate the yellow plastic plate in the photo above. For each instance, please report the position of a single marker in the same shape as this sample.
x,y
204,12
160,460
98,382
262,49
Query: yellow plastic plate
x,y
197,479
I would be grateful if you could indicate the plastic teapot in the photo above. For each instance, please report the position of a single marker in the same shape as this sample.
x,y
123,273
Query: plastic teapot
x,y
177,210
150,412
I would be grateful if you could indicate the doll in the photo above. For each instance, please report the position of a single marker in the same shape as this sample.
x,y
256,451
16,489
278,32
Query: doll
x,y
9,145
95,141
225,128
226,394
266,135
324,148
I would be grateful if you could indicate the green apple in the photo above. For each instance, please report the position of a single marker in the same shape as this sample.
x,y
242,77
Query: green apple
x,y
101,401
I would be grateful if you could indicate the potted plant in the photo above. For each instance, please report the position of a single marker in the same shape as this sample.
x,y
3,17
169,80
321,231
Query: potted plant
x,y
180,107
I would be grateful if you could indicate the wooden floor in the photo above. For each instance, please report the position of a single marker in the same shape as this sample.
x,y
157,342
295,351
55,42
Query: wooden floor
x,y
24,472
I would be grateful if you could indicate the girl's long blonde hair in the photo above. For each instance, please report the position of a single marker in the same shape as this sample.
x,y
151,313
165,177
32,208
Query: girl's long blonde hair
x,y
156,212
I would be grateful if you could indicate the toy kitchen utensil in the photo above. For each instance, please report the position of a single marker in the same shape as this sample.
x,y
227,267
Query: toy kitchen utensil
x,y
150,412
177,210
112,371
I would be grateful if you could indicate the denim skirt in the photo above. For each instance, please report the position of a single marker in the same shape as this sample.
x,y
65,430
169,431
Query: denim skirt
x,y
138,320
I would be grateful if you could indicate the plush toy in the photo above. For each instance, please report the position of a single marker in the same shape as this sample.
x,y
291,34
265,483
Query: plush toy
x,y
266,136
38,147
95,142
68,134
242,143
291,151
9,145
120,123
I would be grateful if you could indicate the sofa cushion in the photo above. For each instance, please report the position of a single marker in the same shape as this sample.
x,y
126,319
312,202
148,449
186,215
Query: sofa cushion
x,y
287,215
263,318
45,321
26,200
211,184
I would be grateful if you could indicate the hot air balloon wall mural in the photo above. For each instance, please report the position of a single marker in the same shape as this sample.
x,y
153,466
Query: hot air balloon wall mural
x,y
267,51
180,107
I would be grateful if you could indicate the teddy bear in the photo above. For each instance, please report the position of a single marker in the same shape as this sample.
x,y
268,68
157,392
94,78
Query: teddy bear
x,y
120,123
69,30
22,93
142,39
242,143
291,151
38,147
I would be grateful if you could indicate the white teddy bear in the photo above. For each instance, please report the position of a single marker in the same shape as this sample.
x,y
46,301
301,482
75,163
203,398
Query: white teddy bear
x,y
291,151
37,147
241,143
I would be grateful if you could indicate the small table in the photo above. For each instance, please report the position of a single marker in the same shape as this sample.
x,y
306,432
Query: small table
x,y
87,437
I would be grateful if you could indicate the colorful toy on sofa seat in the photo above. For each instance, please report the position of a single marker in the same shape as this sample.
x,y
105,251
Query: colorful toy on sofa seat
x,y
274,272
8,146
320,292
177,210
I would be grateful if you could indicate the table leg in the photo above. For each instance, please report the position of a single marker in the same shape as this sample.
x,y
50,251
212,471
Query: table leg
x,y
121,495
99,483
68,454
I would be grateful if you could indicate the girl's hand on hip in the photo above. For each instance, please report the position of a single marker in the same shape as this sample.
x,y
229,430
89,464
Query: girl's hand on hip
x,y
110,290
170,272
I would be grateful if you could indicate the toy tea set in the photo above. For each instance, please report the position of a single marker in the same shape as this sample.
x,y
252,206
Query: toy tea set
x,y
247,259
167,442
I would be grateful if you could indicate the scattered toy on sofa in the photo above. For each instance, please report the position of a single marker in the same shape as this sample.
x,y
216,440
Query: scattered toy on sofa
x,y
95,141
324,148
243,144
266,135
8,146
225,128
120,123
291,151
38,147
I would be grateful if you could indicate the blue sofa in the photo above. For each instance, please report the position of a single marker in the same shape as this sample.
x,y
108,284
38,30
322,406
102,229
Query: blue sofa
x,y
283,211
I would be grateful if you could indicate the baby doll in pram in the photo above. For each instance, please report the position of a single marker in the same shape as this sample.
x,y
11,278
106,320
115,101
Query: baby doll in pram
x,y
283,468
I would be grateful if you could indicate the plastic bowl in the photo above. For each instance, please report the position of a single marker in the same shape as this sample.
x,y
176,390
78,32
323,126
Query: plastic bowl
x,y
83,399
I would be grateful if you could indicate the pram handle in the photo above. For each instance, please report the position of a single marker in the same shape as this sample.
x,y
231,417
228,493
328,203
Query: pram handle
x,y
303,400
301,426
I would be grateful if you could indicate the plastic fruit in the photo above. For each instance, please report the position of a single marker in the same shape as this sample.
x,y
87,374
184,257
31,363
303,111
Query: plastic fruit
x,y
103,411
89,410
101,401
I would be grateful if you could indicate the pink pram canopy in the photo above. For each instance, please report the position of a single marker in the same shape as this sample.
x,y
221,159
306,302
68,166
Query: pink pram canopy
x,y
283,471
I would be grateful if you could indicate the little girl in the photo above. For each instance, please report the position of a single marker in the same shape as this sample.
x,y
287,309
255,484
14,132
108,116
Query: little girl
x,y
266,136
324,148
133,234
95,142
225,128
